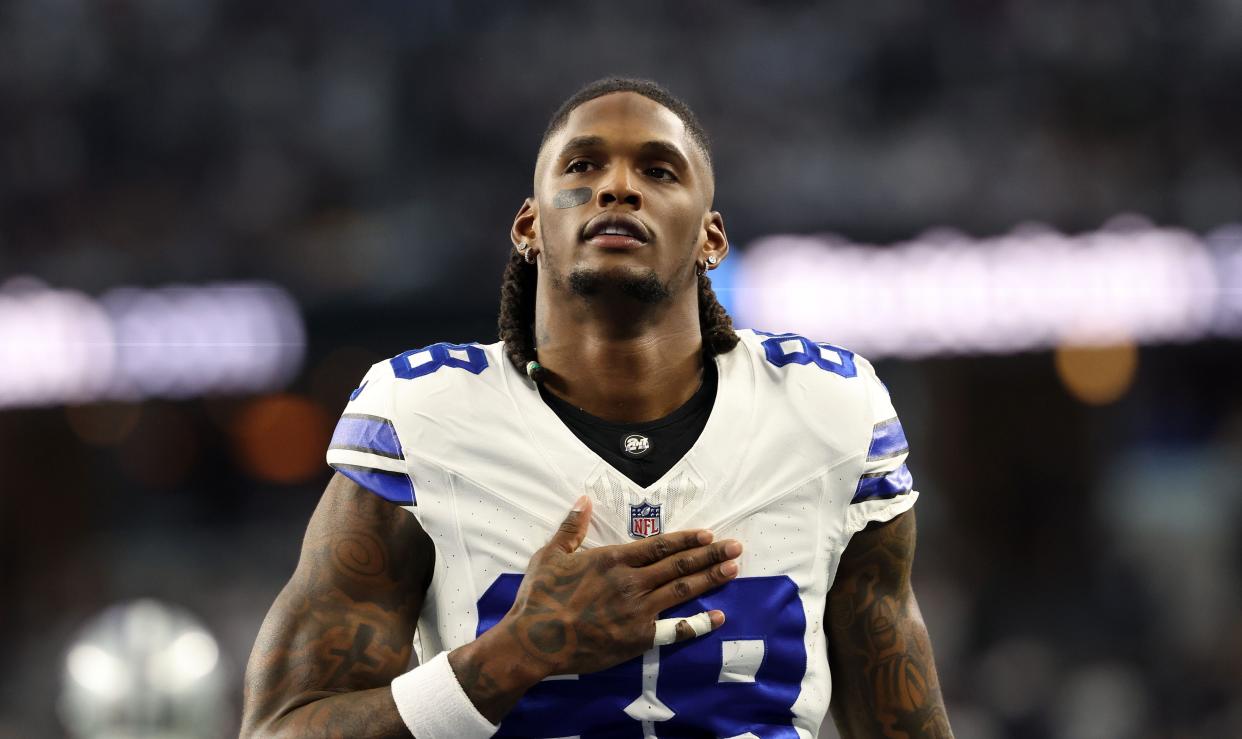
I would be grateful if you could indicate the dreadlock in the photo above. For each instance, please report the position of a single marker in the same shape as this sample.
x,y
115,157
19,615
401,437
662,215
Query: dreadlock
x,y
517,315
715,324
517,290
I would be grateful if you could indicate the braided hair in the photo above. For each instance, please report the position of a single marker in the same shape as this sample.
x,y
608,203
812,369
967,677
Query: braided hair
x,y
517,315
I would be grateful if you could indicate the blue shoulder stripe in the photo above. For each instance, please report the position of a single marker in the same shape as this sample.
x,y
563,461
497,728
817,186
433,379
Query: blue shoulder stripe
x,y
362,433
393,486
883,485
888,439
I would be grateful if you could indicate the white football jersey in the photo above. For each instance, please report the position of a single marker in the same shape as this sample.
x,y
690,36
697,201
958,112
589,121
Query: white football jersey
x,y
802,449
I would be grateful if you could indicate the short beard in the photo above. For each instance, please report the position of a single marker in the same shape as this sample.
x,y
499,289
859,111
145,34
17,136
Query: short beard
x,y
645,287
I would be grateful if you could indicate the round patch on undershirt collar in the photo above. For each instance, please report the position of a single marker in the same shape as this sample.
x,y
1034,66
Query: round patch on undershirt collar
x,y
636,445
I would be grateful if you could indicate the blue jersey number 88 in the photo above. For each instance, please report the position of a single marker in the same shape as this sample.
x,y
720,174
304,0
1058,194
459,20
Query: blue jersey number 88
x,y
783,349
421,362
743,677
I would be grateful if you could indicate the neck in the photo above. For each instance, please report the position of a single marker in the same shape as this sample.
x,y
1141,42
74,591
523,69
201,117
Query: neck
x,y
624,363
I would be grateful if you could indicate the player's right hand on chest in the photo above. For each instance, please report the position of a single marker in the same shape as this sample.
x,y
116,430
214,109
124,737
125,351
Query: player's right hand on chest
x,y
581,611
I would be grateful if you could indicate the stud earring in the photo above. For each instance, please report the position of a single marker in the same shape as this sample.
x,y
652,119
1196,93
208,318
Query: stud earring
x,y
528,254
711,260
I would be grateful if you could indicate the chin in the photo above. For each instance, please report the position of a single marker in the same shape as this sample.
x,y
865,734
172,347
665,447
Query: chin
x,y
637,283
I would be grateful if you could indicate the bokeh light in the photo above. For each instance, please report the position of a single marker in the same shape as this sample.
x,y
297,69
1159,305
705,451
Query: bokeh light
x,y
98,671
946,293
61,346
143,668
282,438
1097,375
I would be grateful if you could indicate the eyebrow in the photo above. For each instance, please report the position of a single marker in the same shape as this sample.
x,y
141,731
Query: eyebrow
x,y
665,150
650,149
579,143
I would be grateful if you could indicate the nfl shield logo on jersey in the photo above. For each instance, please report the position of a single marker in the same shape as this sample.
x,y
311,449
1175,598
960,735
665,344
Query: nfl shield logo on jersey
x,y
644,520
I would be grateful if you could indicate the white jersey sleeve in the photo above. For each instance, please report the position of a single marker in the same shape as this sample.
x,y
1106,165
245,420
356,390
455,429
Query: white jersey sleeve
x,y
365,447
885,487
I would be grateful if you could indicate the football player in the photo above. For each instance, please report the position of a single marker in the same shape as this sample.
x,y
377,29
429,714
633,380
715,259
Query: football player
x,y
624,519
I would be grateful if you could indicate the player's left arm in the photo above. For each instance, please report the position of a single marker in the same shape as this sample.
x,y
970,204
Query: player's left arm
x,y
884,677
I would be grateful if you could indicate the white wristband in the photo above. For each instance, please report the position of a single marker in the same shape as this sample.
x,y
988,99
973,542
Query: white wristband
x,y
433,705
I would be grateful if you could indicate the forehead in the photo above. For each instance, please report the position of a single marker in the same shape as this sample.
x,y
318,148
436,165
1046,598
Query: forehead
x,y
625,115
624,119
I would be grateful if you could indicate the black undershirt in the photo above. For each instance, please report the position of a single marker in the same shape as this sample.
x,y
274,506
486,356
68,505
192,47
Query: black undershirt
x,y
668,438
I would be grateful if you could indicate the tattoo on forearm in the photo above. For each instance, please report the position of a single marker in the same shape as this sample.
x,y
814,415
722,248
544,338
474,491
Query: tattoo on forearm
x,y
488,694
881,658
355,655
343,624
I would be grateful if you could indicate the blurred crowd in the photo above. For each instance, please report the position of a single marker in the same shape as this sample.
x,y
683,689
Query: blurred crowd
x,y
376,148
1079,566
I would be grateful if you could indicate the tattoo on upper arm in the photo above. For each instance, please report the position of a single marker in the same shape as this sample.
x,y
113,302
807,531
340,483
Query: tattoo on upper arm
x,y
345,621
883,671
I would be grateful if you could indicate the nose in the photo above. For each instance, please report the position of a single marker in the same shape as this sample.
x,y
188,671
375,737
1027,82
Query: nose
x,y
618,188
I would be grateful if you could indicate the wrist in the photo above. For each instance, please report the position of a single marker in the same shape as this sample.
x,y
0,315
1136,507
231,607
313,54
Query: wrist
x,y
433,704
495,671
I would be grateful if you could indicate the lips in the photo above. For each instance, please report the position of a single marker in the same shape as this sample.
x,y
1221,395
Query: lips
x,y
618,230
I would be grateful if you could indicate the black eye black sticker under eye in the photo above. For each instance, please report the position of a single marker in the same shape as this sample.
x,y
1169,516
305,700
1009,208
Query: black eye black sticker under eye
x,y
571,198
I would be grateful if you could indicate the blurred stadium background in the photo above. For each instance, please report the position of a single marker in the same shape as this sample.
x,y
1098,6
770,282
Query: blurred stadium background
x,y
215,214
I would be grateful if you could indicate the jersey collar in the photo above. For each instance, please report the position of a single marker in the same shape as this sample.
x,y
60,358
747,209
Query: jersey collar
x,y
716,456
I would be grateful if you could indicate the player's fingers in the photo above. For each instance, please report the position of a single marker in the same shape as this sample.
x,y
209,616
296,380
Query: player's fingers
x,y
691,586
574,528
673,630
689,562
655,548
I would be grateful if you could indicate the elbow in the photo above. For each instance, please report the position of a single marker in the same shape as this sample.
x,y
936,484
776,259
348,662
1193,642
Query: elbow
x,y
254,726
285,720
263,722
266,727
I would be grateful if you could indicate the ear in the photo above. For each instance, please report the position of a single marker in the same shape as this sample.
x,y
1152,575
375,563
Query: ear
x,y
525,223
716,242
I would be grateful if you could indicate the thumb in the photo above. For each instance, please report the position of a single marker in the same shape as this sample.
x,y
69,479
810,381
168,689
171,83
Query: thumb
x,y
574,528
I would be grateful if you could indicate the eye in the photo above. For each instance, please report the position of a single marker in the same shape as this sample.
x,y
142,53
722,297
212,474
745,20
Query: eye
x,y
579,166
660,173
